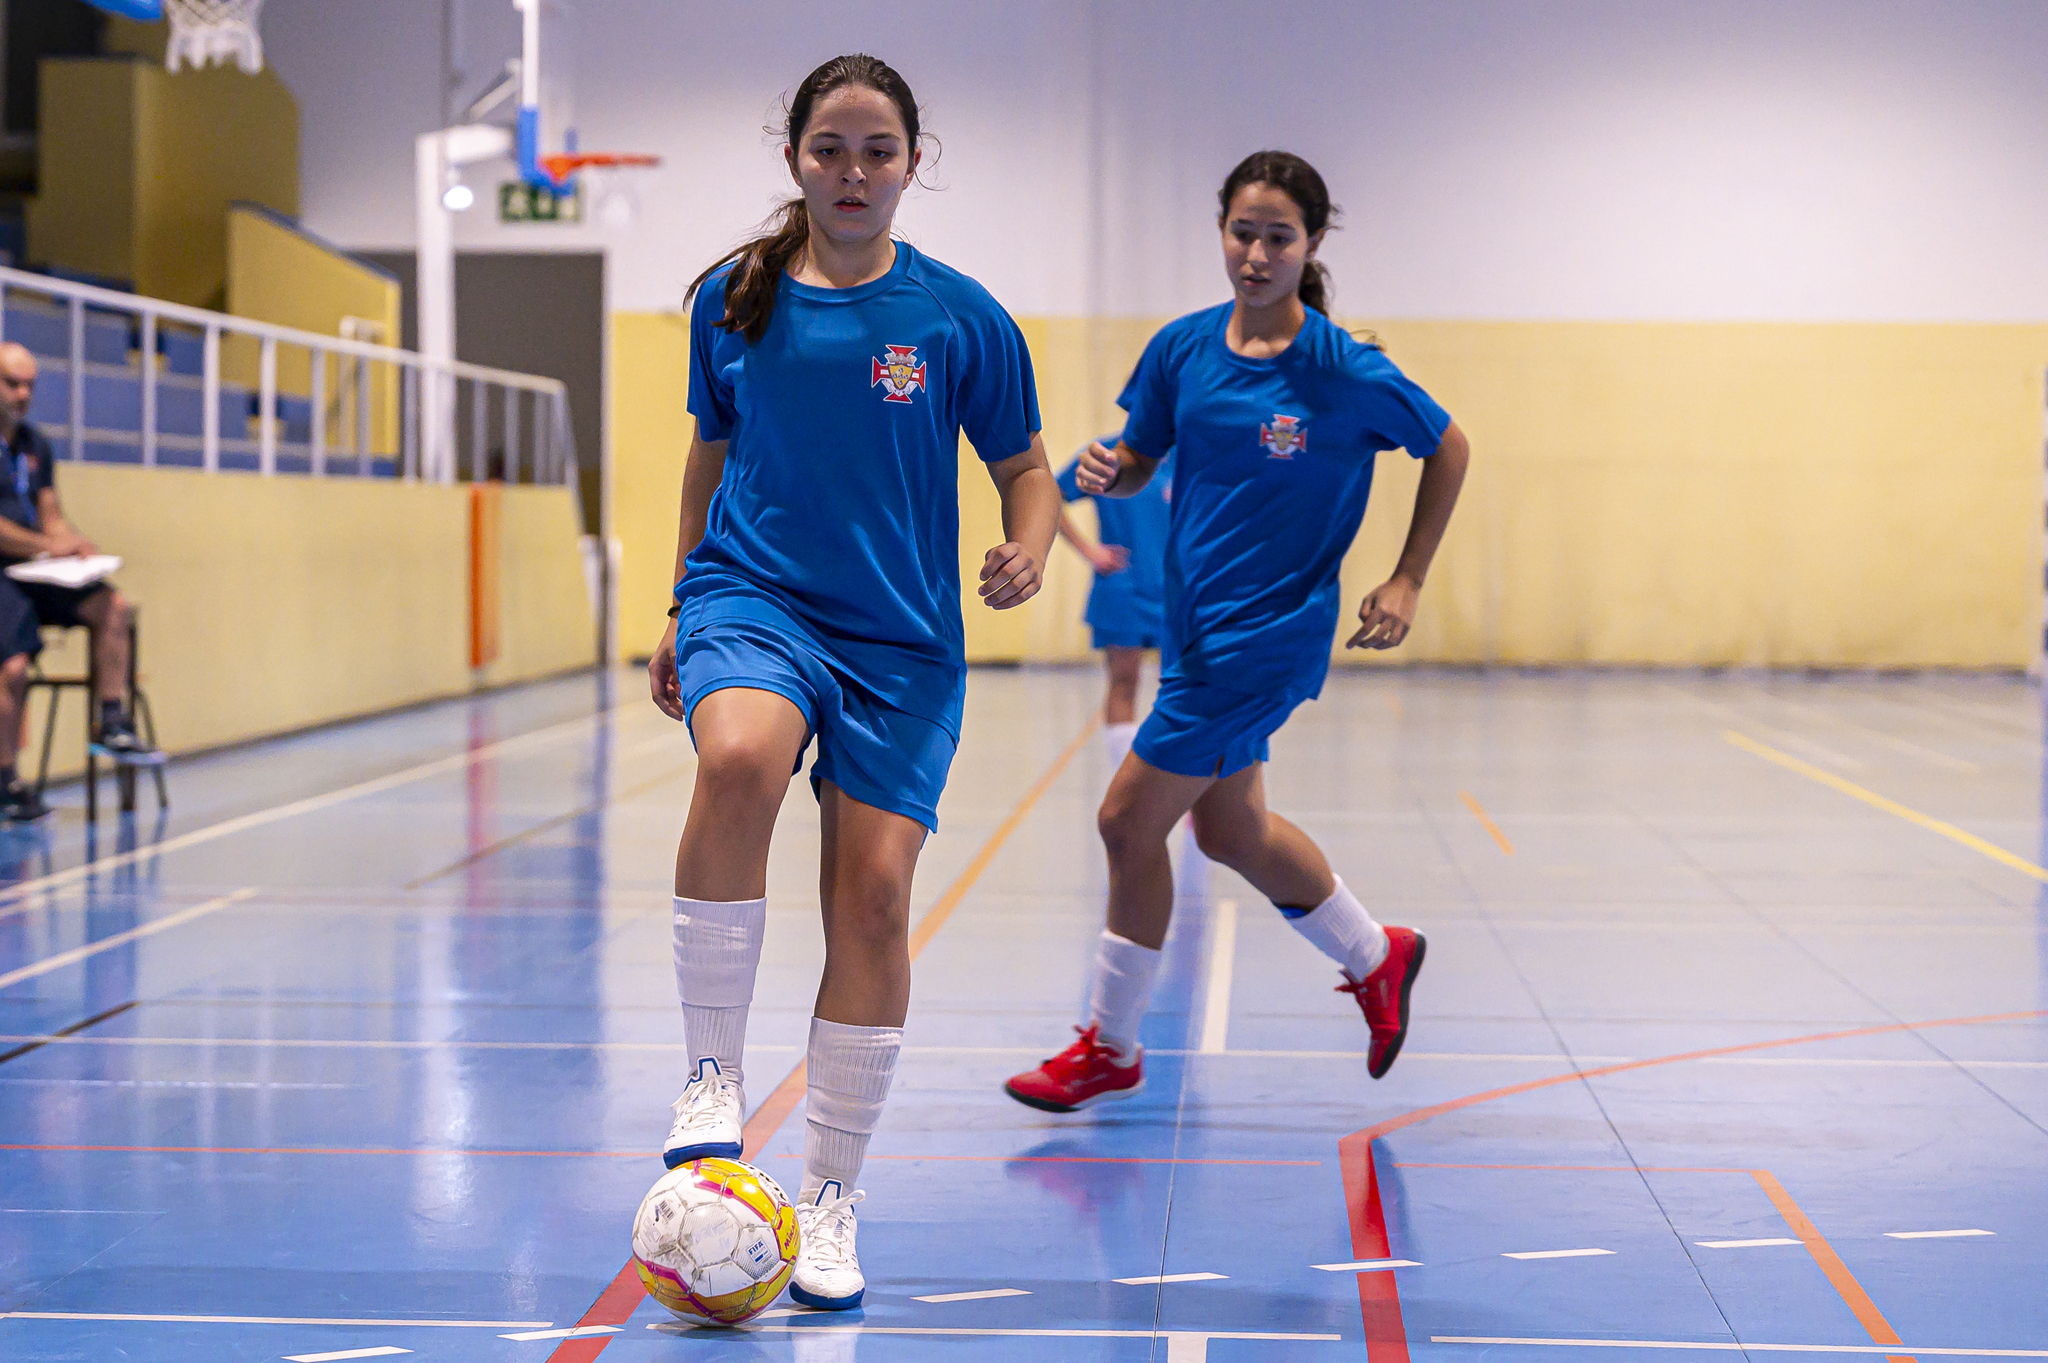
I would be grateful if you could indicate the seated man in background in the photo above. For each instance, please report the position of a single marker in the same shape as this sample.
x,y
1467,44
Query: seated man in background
x,y
32,525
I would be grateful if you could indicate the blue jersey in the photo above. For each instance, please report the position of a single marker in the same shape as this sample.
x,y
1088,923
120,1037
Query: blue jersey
x,y
1274,460
1134,598
839,511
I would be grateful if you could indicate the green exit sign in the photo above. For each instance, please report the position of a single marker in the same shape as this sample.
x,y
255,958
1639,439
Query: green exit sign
x,y
519,201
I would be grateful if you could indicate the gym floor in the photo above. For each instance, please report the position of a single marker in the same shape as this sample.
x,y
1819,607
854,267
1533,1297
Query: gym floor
x,y
1733,1036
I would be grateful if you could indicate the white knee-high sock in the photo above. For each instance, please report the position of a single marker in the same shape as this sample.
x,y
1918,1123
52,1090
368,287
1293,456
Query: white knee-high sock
x,y
1120,989
718,949
1342,930
1116,741
847,1070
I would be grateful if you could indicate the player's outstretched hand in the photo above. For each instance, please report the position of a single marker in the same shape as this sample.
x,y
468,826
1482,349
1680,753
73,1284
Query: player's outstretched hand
x,y
1108,559
661,676
1098,468
1009,576
1386,614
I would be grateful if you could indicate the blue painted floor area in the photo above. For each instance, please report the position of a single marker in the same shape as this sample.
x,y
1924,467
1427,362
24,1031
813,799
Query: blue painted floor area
x,y
370,1044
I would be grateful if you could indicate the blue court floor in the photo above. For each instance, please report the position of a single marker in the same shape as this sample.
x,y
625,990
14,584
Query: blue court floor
x,y
1733,1039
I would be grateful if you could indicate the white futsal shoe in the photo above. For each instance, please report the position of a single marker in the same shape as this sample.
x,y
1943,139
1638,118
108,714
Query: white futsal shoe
x,y
827,1276
708,1118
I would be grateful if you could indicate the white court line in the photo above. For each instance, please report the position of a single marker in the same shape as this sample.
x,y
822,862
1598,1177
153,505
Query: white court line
x,y
1745,1347
1933,1234
381,1351
1182,1346
1744,1244
388,1044
1222,965
976,1296
312,804
77,954
573,1332
273,1320
1367,1265
1173,1278
1557,1254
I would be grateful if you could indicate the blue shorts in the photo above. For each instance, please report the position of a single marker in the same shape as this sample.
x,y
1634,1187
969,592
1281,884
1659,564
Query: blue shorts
x,y
879,755
1108,637
1200,730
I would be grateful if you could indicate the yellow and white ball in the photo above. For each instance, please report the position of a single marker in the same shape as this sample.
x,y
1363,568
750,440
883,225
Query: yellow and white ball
x,y
714,1241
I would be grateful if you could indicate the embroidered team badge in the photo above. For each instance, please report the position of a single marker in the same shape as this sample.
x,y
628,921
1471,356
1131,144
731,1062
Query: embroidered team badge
x,y
1283,437
900,373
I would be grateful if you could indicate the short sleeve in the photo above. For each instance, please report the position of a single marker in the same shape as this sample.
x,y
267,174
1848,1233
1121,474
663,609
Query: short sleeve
x,y
46,465
994,394
1401,415
1149,399
1070,487
711,394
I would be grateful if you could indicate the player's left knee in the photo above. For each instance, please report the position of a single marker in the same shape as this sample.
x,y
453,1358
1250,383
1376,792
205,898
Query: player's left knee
x,y
1226,840
871,903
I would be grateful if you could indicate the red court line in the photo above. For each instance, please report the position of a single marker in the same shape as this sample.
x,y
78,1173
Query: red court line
x,y
328,1150
1380,1304
1089,1159
618,1301
1580,1168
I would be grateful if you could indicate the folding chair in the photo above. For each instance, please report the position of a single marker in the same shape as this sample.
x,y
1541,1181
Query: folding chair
x,y
138,706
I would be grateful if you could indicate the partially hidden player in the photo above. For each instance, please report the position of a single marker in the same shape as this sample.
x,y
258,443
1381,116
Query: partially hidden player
x,y
1274,415
832,372
1127,600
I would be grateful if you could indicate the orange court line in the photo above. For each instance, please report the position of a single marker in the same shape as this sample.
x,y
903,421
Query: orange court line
x,y
1380,1303
1488,824
623,1294
1852,1293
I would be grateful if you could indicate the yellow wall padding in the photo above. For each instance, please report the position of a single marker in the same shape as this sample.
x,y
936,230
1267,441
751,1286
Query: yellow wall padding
x,y
1780,494
270,604
138,167
651,431
277,273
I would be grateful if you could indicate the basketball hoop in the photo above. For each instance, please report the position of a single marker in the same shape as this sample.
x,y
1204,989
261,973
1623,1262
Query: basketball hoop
x,y
214,32
563,164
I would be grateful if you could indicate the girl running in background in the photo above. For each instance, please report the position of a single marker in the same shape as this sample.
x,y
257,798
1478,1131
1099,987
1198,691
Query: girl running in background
x,y
1126,600
1274,415
832,372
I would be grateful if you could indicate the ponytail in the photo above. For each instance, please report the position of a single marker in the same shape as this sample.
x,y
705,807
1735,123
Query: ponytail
x,y
757,270
1315,286
758,265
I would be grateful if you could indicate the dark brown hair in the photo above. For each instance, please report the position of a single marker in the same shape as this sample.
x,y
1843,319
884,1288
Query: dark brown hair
x,y
750,289
1297,179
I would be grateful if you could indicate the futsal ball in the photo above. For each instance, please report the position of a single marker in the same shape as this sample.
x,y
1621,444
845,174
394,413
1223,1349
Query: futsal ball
x,y
714,1241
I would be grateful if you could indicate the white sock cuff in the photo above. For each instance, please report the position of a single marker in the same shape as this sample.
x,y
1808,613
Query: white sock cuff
x,y
1122,987
718,950
847,1074
1342,929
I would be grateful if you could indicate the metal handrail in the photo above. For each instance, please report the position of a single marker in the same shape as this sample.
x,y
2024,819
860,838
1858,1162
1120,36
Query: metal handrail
x,y
553,445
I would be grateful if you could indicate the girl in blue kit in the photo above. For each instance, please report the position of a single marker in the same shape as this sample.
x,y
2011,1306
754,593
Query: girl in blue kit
x,y
1274,415
1126,602
832,372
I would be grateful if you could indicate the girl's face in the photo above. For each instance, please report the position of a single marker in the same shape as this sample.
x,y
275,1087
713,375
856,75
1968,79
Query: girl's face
x,y
1265,245
852,161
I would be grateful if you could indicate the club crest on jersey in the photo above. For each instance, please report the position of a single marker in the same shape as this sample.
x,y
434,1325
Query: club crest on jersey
x,y
1283,437
900,372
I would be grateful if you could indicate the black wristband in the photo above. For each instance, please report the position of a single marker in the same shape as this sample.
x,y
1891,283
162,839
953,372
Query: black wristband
x,y
675,610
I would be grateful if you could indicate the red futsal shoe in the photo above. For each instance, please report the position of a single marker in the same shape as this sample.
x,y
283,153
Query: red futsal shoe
x,y
1085,1072
1383,997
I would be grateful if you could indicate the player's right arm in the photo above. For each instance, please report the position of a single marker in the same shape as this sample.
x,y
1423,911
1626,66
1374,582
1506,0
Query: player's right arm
x,y
701,474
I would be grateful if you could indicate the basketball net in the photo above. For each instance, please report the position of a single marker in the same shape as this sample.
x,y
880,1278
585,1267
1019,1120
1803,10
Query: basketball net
x,y
214,32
